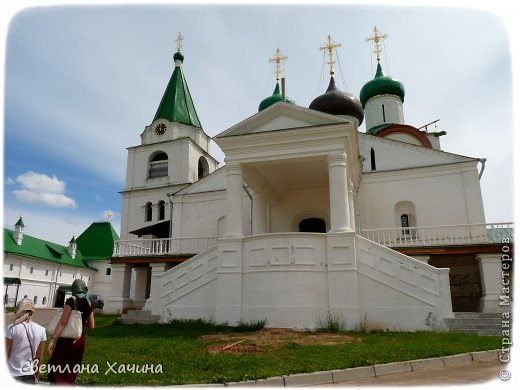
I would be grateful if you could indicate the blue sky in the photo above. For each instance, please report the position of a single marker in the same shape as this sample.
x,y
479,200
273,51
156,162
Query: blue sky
x,y
82,82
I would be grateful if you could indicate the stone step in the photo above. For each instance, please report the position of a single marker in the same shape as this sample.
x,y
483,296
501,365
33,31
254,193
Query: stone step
x,y
475,321
488,324
140,317
477,315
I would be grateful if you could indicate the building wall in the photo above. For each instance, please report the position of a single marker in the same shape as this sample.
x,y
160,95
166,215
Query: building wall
x,y
101,283
393,154
393,112
441,195
41,282
307,203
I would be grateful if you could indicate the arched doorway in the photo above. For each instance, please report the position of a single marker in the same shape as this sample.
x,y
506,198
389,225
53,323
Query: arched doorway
x,y
312,225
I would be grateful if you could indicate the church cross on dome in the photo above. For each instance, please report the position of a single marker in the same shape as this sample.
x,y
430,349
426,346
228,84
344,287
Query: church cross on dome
x,y
277,59
179,40
377,38
330,46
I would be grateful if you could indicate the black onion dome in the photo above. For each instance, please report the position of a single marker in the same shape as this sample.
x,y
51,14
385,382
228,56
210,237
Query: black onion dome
x,y
337,102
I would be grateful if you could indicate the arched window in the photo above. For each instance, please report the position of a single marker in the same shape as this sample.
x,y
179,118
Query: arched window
x,y
44,300
35,300
372,159
148,212
312,225
158,165
406,218
161,211
384,115
203,168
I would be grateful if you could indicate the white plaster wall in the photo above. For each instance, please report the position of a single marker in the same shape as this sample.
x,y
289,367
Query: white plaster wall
x,y
391,154
138,164
133,209
404,138
101,283
444,195
197,215
174,131
295,280
294,202
41,281
374,111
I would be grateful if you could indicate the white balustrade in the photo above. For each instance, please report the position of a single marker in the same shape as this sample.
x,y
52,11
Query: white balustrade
x,y
163,246
441,235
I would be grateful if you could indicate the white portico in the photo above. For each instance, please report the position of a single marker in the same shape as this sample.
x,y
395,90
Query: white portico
x,y
298,163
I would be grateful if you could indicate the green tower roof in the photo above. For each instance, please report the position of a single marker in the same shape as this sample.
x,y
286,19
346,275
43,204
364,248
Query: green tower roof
x,y
20,222
97,241
176,104
381,85
274,98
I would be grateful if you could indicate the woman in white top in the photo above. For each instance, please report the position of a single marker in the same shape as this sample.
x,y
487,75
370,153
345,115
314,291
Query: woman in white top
x,y
24,344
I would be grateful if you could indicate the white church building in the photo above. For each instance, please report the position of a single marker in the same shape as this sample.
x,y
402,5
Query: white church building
x,y
308,219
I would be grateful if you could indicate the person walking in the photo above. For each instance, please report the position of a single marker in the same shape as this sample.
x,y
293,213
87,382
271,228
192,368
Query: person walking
x,y
67,352
24,344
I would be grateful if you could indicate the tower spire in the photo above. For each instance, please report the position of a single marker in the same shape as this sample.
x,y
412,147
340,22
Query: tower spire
x,y
277,59
329,47
377,38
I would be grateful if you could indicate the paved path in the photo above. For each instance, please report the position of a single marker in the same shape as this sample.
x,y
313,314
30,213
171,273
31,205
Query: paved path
x,y
41,316
470,373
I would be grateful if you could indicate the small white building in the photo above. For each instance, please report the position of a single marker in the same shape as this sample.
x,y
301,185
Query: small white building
x,y
44,271
309,217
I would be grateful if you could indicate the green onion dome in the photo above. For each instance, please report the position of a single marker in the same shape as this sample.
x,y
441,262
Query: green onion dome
x,y
178,56
274,98
381,85
337,102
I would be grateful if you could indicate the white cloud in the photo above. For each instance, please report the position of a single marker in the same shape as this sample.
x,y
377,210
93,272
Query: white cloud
x,y
42,189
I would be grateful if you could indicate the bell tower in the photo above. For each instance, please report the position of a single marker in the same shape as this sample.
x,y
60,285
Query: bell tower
x,y
173,153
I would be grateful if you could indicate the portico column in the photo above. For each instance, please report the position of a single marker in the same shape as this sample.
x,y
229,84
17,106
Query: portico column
x,y
338,193
234,200
259,213
141,286
490,266
153,303
120,294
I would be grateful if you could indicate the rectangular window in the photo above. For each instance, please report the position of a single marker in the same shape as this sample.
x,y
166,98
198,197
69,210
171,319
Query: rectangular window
x,y
11,267
109,271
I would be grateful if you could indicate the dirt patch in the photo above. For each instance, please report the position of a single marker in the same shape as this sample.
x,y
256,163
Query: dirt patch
x,y
254,341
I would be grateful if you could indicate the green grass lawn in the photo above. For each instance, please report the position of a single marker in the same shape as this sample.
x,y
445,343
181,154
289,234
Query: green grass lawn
x,y
185,358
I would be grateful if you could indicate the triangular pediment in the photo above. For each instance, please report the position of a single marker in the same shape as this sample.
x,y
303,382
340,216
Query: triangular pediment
x,y
282,116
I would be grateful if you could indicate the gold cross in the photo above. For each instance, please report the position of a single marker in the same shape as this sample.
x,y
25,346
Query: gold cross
x,y
179,41
277,59
377,38
329,47
109,215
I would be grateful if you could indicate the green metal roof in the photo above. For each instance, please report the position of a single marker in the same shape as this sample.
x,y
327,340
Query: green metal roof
x,y
381,85
176,104
97,241
38,249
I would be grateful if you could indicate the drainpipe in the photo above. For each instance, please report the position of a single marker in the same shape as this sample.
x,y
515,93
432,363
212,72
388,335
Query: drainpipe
x,y
482,167
250,209
170,198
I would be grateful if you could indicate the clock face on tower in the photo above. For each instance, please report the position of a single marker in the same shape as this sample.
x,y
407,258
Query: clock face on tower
x,y
160,129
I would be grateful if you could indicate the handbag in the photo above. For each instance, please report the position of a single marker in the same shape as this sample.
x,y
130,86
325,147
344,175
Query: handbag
x,y
72,330
33,355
